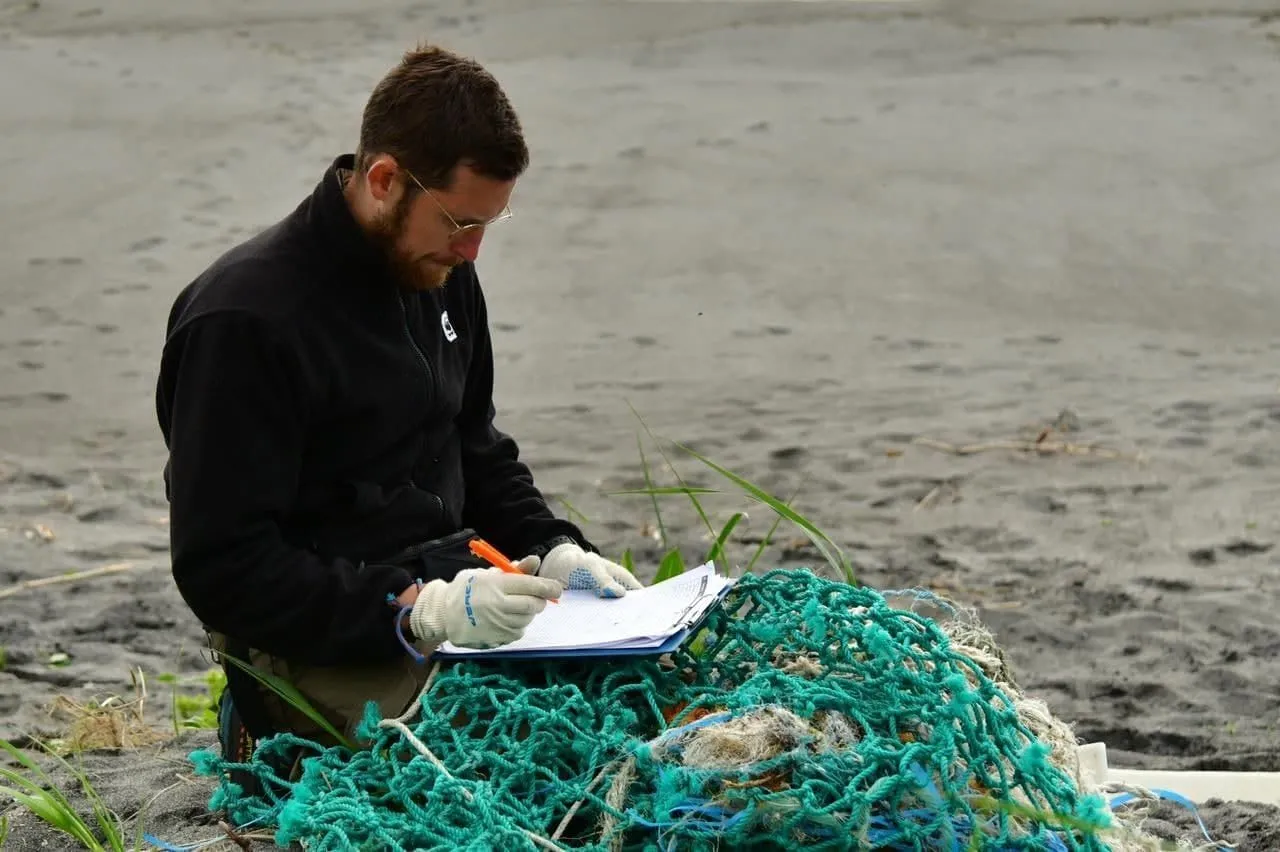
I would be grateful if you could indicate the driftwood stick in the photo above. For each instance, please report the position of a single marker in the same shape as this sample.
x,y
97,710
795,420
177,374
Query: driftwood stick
x,y
235,837
92,573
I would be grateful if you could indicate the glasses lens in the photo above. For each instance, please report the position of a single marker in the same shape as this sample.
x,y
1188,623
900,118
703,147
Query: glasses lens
x,y
466,232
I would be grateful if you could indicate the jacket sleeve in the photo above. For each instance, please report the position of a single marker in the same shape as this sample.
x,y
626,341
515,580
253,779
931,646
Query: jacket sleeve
x,y
234,413
503,505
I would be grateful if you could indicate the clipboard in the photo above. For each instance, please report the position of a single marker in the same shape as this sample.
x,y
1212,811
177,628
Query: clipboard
x,y
711,592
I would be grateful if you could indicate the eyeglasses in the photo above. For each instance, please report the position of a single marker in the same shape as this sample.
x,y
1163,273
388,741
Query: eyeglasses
x,y
460,231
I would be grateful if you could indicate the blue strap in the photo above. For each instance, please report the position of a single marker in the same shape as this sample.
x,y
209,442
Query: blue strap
x,y
165,846
919,595
709,719
1177,798
418,657
399,624
883,832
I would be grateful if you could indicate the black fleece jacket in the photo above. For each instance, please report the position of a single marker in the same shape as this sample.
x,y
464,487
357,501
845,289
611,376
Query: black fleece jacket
x,y
319,421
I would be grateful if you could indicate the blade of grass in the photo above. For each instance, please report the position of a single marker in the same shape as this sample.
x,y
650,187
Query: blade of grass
x,y
828,548
717,549
26,762
107,819
764,542
697,506
48,810
573,511
648,481
31,796
290,693
36,771
50,805
663,490
139,834
768,537
672,565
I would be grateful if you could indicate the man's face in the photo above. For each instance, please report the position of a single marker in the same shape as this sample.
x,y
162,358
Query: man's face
x,y
425,233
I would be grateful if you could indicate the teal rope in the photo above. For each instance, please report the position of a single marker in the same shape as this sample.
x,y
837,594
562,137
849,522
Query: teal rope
x,y
524,741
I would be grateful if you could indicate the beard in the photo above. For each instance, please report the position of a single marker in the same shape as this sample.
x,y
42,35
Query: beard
x,y
411,272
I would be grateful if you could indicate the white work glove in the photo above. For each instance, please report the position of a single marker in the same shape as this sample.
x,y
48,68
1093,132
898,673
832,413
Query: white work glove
x,y
481,607
576,568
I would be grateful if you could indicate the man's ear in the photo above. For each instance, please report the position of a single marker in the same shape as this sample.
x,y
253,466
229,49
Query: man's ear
x,y
381,175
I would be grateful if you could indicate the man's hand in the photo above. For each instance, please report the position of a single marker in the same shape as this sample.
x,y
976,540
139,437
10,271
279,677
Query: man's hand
x,y
480,608
575,568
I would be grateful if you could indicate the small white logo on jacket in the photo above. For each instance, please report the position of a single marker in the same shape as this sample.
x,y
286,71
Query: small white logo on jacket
x,y
449,334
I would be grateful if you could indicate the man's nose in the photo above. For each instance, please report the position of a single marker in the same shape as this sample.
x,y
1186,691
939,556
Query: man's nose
x,y
467,246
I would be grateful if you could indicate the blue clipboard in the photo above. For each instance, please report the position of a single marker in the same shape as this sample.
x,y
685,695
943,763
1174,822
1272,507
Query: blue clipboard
x,y
672,643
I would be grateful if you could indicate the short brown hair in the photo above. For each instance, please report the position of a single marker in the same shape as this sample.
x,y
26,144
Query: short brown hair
x,y
436,110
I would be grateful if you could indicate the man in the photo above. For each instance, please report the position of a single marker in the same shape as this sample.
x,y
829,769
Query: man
x,y
325,392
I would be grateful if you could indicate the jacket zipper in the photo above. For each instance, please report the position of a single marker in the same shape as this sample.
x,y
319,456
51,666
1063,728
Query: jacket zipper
x,y
408,333
426,365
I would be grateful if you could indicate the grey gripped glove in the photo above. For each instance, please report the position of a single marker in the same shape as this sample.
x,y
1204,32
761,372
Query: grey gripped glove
x,y
481,607
575,568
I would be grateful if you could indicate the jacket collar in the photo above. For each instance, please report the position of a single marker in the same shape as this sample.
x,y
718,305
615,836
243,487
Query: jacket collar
x,y
354,255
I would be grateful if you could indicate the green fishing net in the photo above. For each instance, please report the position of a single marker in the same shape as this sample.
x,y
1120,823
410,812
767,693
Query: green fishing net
x,y
806,714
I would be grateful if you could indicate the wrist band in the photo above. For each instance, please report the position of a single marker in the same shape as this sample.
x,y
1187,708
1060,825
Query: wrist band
x,y
400,617
399,624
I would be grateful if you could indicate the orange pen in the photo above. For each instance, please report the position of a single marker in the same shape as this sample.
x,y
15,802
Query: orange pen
x,y
490,554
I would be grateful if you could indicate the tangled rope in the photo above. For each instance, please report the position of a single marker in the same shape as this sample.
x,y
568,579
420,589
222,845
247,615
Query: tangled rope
x,y
807,713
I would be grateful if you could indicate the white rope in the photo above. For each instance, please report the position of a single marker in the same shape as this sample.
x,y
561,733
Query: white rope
x,y
568,817
616,796
542,841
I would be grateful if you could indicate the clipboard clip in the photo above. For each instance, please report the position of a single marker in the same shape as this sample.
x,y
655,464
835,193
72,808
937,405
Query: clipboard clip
x,y
680,620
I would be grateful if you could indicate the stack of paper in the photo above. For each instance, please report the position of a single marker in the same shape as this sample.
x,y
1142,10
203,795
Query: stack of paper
x,y
652,620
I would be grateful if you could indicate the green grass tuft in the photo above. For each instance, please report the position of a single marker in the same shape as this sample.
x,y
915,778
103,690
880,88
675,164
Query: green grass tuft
x,y
35,790
674,562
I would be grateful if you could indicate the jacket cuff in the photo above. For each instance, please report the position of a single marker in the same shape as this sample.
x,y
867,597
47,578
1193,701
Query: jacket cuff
x,y
546,547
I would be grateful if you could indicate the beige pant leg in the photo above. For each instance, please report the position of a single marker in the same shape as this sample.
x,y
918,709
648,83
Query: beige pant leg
x,y
339,693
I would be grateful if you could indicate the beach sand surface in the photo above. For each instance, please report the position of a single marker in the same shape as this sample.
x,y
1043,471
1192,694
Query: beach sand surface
x,y
823,243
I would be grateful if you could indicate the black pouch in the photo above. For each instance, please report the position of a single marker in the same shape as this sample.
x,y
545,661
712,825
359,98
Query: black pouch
x,y
440,558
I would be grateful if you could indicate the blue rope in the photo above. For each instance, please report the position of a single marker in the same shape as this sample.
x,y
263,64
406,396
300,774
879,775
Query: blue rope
x,y
1122,799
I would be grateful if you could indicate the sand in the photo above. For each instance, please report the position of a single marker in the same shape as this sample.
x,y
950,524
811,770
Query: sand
x,y
800,237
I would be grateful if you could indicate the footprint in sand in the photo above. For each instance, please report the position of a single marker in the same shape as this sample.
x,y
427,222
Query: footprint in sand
x,y
788,457
146,244
38,396
1238,547
55,261
762,331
